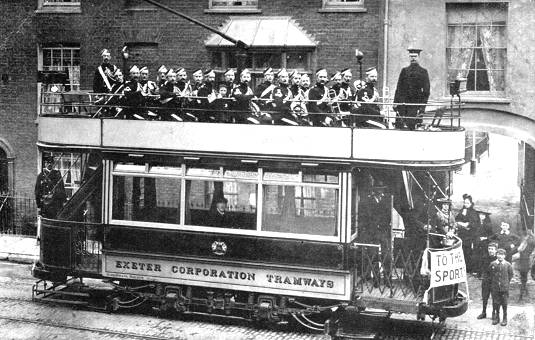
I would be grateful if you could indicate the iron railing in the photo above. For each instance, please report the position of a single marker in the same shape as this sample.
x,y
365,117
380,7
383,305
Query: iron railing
x,y
18,215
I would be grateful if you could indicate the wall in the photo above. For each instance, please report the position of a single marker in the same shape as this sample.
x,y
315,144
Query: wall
x,y
110,24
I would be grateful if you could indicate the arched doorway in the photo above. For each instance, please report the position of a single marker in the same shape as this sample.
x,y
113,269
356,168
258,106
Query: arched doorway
x,y
4,172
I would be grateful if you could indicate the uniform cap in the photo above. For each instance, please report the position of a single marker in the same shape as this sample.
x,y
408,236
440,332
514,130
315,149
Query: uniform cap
x,y
48,158
162,69
282,72
197,72
414,50
105,51
336,75
267,71
209,72
321,70
245,71
170,72
134,69
230,71
501,251
371,71
305,76
492,244
144,68
181,70
345,71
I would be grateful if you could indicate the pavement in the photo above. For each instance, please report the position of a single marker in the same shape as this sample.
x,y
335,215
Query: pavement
x,y
521,314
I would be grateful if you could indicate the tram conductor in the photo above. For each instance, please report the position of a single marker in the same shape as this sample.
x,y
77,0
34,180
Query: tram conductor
x,y
49,190
412,88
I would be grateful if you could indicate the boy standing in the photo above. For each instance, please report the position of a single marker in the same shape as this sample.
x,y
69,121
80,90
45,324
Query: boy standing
x,y
501,273
486,260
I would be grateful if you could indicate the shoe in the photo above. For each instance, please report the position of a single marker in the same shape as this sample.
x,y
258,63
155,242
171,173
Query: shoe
x,y
482,316
504,322
496,319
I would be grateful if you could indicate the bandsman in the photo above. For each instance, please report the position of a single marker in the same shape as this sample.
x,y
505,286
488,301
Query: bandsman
x,y
369,114
133,95
295,82
103,79
263,91
318,98
242,94
281,98
161,79
207,91
347,92
230,77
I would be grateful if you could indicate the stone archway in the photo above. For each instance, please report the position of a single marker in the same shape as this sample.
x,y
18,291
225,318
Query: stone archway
x,y
7,167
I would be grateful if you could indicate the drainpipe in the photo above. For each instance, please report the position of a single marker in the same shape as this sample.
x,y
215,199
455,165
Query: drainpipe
x,y
385,48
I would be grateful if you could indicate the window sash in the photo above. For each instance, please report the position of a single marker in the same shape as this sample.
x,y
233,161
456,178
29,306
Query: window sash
x,y
258,183
223,4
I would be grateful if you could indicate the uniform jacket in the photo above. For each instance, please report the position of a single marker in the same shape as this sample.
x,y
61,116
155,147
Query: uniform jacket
x,y
50,193
368,93
99,81
501,274
316,95
413,85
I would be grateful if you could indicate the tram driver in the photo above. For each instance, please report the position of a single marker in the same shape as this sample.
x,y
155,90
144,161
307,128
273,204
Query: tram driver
x,y
49,189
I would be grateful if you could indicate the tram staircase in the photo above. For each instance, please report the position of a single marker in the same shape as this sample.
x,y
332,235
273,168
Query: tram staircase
x,y
391,280
86,240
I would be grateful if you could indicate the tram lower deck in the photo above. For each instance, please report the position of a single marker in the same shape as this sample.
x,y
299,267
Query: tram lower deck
x,y
254,240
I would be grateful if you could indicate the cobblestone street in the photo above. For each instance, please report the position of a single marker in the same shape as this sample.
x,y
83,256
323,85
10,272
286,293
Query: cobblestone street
x,y
20,318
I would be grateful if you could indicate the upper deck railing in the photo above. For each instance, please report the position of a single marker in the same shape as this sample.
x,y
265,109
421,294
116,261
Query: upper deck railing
x,y
349,130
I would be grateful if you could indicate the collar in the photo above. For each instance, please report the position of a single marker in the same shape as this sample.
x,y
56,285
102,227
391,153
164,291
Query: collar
x,y
505,232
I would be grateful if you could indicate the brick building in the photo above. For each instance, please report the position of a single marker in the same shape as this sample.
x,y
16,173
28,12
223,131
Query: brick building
x,y
68,35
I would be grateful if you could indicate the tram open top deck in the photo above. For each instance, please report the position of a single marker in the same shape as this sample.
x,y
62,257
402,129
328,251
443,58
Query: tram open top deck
x,y
440,146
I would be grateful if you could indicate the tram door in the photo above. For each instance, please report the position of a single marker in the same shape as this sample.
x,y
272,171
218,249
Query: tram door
x,y
373,206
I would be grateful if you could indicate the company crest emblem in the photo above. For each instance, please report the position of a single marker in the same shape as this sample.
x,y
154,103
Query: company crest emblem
x,y
219,248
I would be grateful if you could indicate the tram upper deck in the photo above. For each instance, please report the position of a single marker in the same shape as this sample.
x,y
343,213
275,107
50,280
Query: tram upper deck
x,y
438,143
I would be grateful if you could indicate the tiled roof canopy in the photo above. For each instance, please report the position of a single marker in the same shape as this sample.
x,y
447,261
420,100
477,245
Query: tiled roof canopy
x,y
263,32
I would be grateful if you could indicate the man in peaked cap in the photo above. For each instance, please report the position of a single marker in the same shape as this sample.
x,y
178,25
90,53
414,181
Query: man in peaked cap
x,y
281,97
243,94
103,79
412,87
206,90
318,98
161,79
49,189
336,82
133,96
369,114
263,91
230,77
295,82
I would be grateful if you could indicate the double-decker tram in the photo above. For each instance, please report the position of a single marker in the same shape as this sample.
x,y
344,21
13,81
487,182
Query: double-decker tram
x,y
265,222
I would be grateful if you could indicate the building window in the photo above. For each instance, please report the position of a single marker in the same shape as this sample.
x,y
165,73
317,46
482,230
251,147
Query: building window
x,y
233,6
477,46
343,6
62,57
59,6
257,61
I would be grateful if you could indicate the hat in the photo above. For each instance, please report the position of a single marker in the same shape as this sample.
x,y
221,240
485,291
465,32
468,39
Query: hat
x,y
414,50
321,70
282,72
486,213
221,200
197,72
180,70
134,69
48,158
294,73
209,72
492,244
336,75
245,71
267,71
345,71
230,71
105,51
305,76
501,251
371,71
162,69
171,72
144,68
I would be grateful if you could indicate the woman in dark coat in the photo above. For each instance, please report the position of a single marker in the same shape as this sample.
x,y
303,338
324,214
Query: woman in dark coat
x,y
482,237
467,223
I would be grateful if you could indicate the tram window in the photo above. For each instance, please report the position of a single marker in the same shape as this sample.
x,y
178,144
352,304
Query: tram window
x,y
300,210
201,198
320,178
146,199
